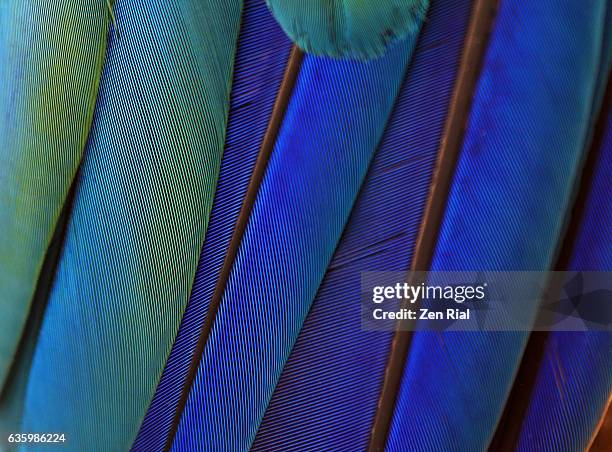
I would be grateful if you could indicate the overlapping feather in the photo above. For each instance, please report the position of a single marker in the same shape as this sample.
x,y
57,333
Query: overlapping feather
x,y
575,379
335,119
328,392
348,28
51,58
146,191
139,218
513,182
261,56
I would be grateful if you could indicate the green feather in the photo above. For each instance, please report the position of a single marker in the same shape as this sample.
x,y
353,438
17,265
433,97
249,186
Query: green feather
x,y
348,28
142,203
51,57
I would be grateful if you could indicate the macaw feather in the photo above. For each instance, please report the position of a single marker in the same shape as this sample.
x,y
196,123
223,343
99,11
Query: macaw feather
x,y
51,58
360,29
186,210
508,188
315,403
574,381
312,180
139,219
261,59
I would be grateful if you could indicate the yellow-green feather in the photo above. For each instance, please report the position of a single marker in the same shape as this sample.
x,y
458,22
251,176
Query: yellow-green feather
x,y
51,58
145,191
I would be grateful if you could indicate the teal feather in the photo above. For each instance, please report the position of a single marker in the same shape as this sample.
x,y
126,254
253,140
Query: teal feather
x,y
140,214
51,57
348,28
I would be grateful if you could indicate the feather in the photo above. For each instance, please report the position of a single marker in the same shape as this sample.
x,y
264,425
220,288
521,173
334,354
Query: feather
x,y
48,86
186,292
556,354
333,124
600,441
261,57
507,189
327,395
12,395
138,222
348,28
575,378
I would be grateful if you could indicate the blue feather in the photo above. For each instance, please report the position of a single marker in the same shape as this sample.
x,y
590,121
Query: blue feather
x,y
523,145
575,379
140,213
162,181
261,57
328,392
333,124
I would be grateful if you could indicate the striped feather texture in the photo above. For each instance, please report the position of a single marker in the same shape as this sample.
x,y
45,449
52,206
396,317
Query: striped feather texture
x,y
348,28
333,124
328,392
12,395
575,379
138,223
513,182
118,279
261,57
51,58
